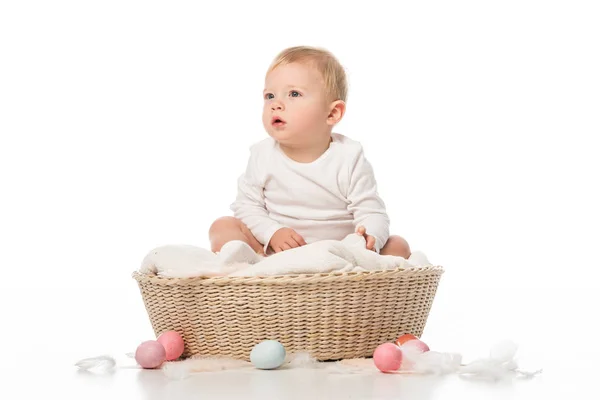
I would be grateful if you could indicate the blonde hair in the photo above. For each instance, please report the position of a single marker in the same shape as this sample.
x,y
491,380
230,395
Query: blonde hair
x,y
336,83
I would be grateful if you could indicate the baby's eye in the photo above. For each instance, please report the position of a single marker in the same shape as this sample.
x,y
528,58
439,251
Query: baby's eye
x,y
269,96
295,93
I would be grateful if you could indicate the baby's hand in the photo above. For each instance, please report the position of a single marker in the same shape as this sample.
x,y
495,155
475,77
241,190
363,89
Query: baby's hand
x,y
285,239
361,230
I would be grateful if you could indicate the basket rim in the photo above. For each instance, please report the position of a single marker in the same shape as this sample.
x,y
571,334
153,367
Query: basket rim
x,y
287,279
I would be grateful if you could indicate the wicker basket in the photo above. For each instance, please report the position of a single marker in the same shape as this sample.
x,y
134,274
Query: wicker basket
x,y
333,316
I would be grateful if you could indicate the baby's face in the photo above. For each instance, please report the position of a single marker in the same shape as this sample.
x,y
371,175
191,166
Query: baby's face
x,y
296,107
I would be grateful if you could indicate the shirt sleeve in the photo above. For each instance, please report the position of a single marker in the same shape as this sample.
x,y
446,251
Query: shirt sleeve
x,y
249,206
364,201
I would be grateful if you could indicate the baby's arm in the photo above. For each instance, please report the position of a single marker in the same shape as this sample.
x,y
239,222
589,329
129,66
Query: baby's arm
x,y
364,202
249,206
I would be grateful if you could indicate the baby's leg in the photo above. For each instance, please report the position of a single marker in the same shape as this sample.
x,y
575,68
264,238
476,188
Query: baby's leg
x,y
396,246
226,229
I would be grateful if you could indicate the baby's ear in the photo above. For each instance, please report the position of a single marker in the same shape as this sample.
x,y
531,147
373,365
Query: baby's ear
x,y
337,111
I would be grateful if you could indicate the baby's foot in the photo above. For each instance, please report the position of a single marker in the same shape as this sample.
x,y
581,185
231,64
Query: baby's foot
x,y
237,251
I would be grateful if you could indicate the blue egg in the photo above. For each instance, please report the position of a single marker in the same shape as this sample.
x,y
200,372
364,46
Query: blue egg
x,y
269,354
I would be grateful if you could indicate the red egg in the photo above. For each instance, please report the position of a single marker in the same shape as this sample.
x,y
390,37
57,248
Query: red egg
x,y
404,338
387,357
173,344
150,354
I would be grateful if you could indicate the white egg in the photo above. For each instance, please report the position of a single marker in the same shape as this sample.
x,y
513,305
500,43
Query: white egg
x,y
269,354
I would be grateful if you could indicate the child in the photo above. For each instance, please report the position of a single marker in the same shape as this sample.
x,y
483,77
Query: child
x,y
305,183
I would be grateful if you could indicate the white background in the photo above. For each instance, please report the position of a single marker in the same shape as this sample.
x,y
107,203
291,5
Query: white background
x,y
125,124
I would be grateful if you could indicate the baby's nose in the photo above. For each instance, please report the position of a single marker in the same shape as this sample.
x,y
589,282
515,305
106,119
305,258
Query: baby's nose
x,y
276,106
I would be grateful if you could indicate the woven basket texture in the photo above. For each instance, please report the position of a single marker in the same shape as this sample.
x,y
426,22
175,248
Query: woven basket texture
x,y
332,316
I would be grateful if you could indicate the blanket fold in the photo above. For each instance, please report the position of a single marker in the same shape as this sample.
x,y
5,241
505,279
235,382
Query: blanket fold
x,y
236,258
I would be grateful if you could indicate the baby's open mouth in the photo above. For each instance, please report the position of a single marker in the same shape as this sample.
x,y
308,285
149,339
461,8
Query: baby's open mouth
x,y
276,121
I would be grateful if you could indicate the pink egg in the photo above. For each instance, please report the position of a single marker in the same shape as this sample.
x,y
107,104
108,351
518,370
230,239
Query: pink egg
x,y
150,354
416,344
387,357
173,344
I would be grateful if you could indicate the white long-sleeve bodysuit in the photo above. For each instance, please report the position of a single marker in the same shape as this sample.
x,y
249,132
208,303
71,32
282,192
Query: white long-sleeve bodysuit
x,y
325,199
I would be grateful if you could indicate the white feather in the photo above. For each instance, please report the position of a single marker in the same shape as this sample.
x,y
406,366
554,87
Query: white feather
x,y
436,362
302,360
528,374
100,363
500,364
503,351
483,369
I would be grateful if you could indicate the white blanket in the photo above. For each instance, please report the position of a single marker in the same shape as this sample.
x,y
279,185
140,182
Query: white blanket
x,y
236,258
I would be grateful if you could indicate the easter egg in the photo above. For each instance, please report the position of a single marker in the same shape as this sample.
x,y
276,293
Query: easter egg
x,y
416,344
150,354
173,344
387,357
269,354
404,338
